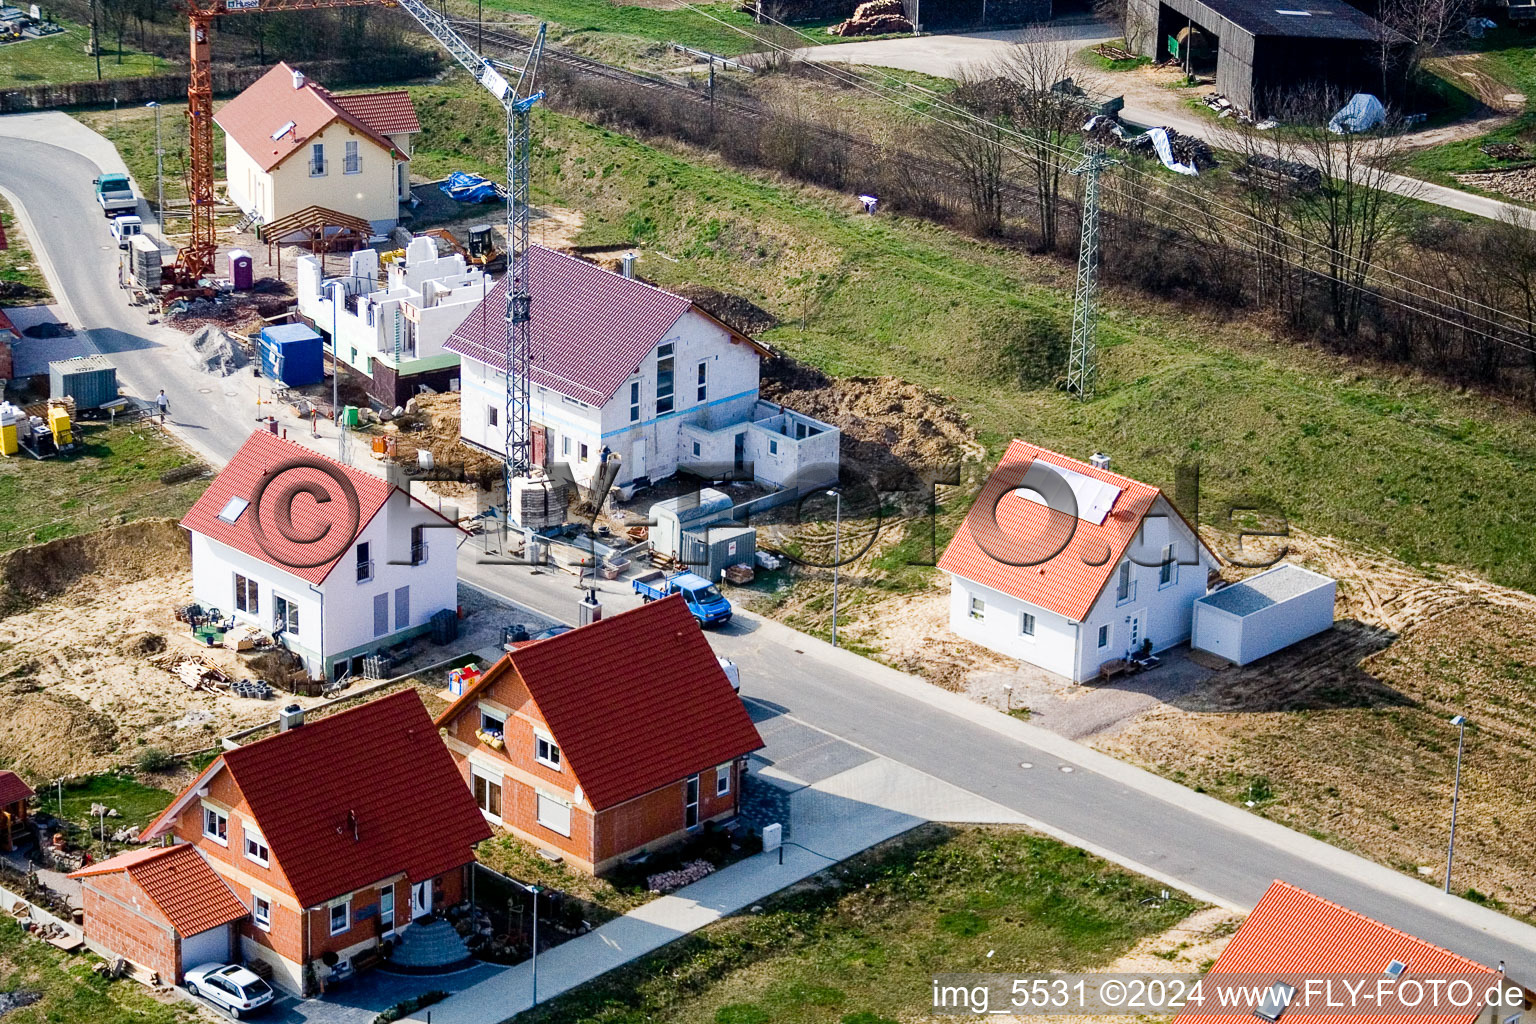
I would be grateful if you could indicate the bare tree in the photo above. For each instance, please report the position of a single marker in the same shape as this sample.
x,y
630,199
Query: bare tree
x,y
1030,88
978,152
1362,206
1412,30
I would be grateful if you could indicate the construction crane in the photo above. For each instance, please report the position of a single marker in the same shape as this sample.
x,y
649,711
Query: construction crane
x,y
195,259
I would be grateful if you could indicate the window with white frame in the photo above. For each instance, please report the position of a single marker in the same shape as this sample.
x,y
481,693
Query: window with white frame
x,y
247,599
216,825
634,401
341,916
773,447
978,608
261,911
492,415
364,562
1026,624
255,846
723,780
584,456
487,791
1168,571
492,722
546,752
317,160
387,908
1123,585
554,815
352,159
695,449
664,381
703,381
1103,636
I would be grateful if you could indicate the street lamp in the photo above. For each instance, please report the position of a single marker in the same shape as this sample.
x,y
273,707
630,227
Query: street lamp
x,y
837,554
1460,722
159,172
535,889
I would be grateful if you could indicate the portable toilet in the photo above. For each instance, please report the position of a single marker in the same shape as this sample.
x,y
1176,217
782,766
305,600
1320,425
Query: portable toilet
x,y
10,415
90,380
241,275
292,353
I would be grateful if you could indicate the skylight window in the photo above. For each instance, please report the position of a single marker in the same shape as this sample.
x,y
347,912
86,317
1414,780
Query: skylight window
x,y
1275,1001
232,509
1395,969
1295,14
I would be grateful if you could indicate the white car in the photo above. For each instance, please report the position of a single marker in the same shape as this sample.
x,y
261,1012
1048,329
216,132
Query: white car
x,y
731,672
124,228
232,988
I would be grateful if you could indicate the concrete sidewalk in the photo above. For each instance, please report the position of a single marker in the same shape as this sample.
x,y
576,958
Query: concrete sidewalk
x,y
830,820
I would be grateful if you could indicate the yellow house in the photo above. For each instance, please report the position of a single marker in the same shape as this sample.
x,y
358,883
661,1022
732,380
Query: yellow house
x,y
289,144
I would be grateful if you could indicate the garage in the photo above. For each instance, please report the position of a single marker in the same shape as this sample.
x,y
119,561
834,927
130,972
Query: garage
x,y
1263,614
211,946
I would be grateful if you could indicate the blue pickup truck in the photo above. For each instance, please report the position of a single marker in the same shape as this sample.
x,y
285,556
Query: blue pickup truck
x,y
704,599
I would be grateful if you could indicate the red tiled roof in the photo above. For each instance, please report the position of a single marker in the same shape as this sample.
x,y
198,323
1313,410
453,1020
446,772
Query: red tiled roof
x,y
13,789
254,116
261,454
388,113
1068,582
590,328
180,883
355,797
1293,932
636,701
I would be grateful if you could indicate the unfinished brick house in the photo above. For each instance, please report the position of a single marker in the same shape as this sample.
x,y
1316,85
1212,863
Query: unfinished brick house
x,y
328,837
618,737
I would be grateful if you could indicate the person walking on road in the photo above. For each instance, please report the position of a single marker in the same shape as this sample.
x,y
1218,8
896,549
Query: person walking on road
x,y
163,404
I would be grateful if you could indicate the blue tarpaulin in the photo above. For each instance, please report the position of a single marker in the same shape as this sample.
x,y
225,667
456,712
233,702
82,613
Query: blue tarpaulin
x,y
470,188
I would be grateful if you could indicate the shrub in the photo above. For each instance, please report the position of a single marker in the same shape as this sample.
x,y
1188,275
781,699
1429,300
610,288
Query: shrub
x,y
152,760
406,1007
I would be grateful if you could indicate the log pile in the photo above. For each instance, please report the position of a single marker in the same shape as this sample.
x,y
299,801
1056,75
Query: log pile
x,y
875,18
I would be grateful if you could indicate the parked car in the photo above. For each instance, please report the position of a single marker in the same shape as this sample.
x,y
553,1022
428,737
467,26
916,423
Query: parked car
x,y
124,228
232,988
115,194
731,672
545,634
704,599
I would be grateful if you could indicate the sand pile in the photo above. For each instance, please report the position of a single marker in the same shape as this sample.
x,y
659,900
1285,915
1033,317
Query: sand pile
x,y
735,312
149,547
46,735
211,350
439,416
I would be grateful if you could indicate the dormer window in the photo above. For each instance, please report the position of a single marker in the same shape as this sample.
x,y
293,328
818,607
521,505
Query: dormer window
x,y
1395,969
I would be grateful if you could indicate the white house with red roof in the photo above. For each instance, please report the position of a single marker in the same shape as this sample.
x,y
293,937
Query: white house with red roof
x,y
623,365
1301,959
621,736
289,144
1066,565
335,562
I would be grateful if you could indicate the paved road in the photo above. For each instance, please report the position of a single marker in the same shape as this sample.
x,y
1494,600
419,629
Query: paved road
x,y
948,56
1186,839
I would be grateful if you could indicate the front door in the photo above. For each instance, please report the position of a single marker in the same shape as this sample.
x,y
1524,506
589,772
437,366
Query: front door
x,y
691,803
637,454
421,899
1135,631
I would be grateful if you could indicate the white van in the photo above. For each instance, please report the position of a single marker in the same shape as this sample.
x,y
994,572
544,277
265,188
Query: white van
x,y
124,228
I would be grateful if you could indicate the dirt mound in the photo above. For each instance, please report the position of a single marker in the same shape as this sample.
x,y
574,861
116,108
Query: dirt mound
x,y
150,547
894,433
439,434
735,312
49,330
52,734
211,350
144,644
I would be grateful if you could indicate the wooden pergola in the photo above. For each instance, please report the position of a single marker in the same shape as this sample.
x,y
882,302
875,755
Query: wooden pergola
x,y
321,231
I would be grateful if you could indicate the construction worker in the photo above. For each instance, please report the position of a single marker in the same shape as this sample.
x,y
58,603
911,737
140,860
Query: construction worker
x,y
164,405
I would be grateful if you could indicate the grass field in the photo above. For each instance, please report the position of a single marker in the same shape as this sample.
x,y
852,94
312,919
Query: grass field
x,y
1367,456
132,131
61,58
21,279
115,477
1506,56
857,944
71,992
135,802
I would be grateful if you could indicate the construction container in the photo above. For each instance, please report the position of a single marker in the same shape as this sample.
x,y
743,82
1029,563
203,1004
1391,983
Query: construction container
x,y
292,353
90,380
686,512
709,552
241,273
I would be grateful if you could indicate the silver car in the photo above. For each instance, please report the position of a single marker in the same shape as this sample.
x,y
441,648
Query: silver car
x,y
232,988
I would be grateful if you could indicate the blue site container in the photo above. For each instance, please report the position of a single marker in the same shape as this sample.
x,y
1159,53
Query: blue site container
x,y
293,354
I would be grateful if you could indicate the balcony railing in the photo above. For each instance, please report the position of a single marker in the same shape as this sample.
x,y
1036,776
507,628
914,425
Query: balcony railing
x,y
418,552
365,571
1126,594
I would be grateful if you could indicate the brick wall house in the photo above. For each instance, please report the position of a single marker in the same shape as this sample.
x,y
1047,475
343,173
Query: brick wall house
x,y
331,836
621,736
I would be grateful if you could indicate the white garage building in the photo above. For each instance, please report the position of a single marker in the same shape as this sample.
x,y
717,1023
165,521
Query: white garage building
x,y
1264,613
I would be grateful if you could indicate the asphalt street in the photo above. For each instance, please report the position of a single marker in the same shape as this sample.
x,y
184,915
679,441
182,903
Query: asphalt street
x,y
1186,839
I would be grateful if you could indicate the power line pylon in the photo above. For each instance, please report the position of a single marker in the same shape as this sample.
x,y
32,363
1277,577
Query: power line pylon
x,y
1082,358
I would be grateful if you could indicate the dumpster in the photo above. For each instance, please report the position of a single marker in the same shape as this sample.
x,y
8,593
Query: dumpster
x,y
292,353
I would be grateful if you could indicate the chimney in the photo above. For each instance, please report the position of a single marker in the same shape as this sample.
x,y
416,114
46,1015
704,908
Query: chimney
x,y
298,79
1098,460
291,717
589,609
628,262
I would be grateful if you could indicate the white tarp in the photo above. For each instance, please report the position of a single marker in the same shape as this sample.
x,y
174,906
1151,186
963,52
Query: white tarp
x,y
1165,152
1362,113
